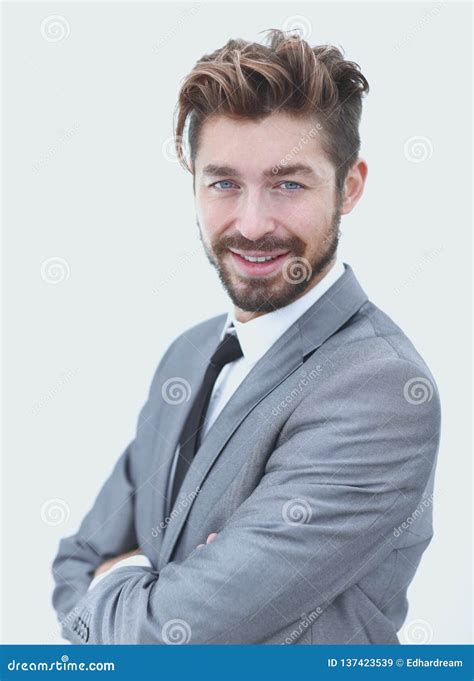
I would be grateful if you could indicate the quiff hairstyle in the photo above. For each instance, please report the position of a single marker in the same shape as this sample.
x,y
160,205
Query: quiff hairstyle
x,y
249,80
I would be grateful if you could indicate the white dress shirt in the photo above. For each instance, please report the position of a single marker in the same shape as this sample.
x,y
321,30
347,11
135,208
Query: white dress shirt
x,y
256,336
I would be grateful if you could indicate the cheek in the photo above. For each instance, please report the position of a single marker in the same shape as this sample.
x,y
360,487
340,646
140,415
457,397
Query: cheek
x,y
301,217
317,207
211,212
310,221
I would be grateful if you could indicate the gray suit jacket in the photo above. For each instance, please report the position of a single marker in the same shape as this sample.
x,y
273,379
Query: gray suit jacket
x,y
317,476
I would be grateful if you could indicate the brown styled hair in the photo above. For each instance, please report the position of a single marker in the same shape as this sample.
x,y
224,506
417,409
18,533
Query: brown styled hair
x,y
249,80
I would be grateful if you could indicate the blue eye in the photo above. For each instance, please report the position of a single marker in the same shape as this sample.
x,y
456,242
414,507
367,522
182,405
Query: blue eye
x,y
222,182
224,185
296,185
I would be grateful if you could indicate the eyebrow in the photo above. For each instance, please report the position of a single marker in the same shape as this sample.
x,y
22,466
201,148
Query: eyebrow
x,y
213,170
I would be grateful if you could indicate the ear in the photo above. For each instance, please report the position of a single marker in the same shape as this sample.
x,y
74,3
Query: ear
x,y
354,185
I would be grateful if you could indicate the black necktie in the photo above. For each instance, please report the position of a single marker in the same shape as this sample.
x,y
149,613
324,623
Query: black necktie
x,y
227,351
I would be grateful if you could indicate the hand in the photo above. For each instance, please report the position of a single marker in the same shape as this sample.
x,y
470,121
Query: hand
x,y
210,538
108,563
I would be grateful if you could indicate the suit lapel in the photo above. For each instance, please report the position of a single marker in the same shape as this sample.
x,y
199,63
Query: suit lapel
x,y
166,442
269,371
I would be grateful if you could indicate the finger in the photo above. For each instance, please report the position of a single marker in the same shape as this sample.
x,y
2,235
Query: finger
x,y
211,537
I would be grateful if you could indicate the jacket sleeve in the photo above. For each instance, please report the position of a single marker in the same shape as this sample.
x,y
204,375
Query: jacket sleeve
x,y
138,559
108,529
347,470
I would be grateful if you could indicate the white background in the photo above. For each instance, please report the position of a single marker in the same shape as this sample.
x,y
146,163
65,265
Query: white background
x,y
88,178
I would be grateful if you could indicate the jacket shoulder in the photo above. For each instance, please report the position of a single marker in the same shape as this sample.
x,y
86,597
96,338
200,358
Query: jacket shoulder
x,y
374,333
194,335
204,329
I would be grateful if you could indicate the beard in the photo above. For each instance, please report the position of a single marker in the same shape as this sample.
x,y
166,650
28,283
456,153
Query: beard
x,y
298,273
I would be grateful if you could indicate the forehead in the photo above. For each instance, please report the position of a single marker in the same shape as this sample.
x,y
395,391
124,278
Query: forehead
x,y
277,141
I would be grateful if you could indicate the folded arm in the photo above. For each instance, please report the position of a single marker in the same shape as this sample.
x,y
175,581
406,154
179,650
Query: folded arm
x,y
321,518
105,532
108,529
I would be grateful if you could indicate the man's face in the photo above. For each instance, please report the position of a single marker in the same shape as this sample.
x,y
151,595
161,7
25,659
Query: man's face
x,y
266,189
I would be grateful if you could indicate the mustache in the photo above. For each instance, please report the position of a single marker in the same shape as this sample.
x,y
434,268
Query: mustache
x,y
267,245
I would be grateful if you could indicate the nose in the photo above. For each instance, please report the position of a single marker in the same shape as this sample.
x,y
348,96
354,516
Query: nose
x,y
254,220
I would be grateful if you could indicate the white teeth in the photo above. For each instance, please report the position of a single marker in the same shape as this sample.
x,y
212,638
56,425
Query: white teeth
x,y
262,259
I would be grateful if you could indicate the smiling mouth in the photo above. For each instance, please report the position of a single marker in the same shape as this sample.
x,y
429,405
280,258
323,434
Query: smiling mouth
x,y
257,263
255,256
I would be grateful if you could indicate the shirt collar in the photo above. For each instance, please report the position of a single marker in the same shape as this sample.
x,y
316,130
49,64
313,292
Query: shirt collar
x,y
257,335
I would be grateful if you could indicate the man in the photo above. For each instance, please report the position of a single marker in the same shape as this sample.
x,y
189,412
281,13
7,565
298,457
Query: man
x,y
276,489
